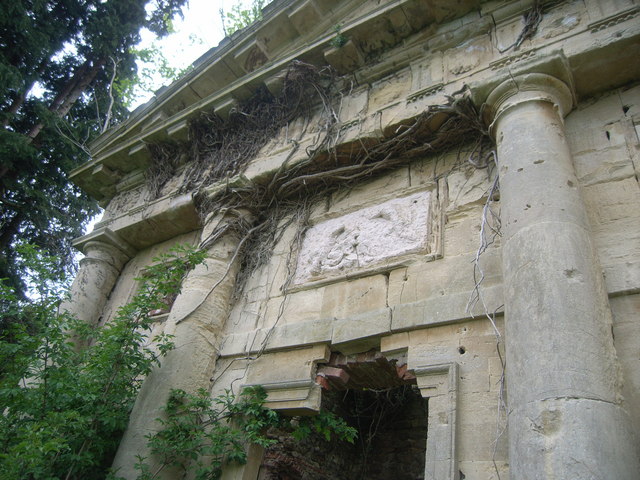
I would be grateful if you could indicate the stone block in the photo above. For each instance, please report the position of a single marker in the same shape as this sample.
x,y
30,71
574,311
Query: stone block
x,y
564,19
353,106
230,373
614,214
506,34
305,16
289,366
622,277
626,332
467,185
261,168
474,380
594,136
234,344
278,273
394,343
496,373
592,113
397,280
426,171
346,58
372,192
301,306
462,230
444,309
477,440
294,335
607,165
244,316
442,277
348,298
389,90
470,55
630,100
427,72
357,327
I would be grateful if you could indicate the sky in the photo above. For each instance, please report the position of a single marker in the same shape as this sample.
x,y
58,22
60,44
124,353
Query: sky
x,y
200,30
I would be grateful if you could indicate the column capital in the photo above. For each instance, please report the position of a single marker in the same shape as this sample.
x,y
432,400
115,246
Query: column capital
x,y
526,88
106,237
105,245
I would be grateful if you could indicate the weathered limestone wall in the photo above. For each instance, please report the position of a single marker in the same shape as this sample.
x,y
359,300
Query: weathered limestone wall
x,y
604,140
398,303
389,305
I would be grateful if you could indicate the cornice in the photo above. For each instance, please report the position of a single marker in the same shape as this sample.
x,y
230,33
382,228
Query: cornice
x,y
222,76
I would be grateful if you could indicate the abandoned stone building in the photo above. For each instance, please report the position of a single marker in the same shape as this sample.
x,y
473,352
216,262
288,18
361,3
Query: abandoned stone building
x,y
436,200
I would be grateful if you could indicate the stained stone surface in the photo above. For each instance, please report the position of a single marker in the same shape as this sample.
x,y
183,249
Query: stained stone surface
x,y
365,237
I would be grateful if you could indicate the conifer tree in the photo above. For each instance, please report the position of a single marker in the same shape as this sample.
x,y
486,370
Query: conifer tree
x,y
59,63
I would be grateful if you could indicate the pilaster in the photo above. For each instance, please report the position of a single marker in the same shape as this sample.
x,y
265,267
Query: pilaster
x,y
195,321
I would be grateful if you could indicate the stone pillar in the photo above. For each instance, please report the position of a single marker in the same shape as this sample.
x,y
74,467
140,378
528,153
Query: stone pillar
x,y
105,255
196,320
565,417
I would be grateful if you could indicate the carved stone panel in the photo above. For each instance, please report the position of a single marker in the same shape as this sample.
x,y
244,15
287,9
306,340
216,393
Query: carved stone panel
x,y
365,238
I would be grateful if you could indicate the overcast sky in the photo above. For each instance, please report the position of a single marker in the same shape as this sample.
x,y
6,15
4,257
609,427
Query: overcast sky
x,y
200,30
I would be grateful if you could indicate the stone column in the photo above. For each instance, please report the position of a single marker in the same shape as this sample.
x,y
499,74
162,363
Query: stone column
x,y
105,255
565,417
196,320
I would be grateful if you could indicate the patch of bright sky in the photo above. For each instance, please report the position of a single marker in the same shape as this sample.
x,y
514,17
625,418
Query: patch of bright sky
x,y
199,30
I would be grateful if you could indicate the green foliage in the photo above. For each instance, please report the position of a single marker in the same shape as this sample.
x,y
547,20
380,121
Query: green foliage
x,y
327,424
201,434
56,65
241,16
66,398
340,39
153,66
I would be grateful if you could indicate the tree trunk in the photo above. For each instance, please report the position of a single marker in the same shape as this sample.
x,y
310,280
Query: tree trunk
x,y
63,102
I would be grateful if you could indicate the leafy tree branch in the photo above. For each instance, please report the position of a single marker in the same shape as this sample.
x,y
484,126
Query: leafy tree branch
x,y
65,407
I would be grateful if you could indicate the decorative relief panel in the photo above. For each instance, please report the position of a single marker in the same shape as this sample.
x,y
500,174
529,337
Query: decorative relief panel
x,y
365,238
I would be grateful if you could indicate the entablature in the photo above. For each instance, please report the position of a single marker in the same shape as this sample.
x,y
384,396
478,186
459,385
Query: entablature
x,y
432,61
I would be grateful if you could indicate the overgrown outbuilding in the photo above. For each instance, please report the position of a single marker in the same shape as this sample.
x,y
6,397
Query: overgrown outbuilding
x,y
423,215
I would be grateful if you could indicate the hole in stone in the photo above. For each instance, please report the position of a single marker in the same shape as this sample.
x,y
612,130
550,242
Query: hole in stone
x,y
608,135
625,109
538,162
570,183
380,399
462,350
520,169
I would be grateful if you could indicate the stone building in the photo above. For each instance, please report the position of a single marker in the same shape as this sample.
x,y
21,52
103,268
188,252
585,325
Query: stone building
x,y
359,241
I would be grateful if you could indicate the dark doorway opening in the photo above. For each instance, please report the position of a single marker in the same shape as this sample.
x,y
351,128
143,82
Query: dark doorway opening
x,y
379,398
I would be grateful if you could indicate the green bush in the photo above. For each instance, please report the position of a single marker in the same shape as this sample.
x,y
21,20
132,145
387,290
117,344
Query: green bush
x,y
66,397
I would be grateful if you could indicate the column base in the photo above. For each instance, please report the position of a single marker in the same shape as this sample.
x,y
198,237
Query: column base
x,y
572,438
